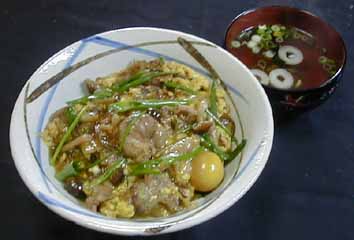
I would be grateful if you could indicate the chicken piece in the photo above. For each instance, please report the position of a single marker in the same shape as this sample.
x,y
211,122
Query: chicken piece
x,y
187,113
187,194
160,136
183,146
146,136
84,138
181,172
153,191
166,116
99,194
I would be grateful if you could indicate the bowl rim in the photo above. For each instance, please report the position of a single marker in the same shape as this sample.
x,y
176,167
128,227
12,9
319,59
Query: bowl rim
x,y
95,224
328,82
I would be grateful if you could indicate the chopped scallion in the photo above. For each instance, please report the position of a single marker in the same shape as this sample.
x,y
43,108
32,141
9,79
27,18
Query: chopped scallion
x,y
67,135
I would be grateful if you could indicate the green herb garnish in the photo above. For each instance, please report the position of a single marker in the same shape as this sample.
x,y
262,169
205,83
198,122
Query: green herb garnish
x,y
70,114
124,106
238,149
139,79
153,166
98,94
134,81
218,122
222,126
208,143
69,170
108,173
173,85
213,98
67,135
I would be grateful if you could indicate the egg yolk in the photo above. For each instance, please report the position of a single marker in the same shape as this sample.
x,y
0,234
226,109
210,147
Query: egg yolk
x,y
207,171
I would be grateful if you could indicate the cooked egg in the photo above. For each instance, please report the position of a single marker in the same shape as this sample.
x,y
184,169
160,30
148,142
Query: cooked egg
x,y
207,171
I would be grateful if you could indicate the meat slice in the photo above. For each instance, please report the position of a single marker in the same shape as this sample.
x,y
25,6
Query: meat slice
x,y
155,190
187,113
181,170
166,116
146,137
202,107
182,146
100,193
84,138
160,136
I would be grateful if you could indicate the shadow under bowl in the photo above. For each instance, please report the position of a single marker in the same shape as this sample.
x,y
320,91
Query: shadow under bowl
x,y
290,102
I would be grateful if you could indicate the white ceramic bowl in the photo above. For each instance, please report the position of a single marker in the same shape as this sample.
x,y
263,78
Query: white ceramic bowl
x,y
255,123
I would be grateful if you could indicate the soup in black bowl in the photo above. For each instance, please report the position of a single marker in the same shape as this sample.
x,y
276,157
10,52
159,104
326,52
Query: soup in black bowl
x,y
297,57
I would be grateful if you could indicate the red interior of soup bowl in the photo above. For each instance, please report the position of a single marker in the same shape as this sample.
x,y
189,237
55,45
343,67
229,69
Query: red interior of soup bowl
x,y
322,32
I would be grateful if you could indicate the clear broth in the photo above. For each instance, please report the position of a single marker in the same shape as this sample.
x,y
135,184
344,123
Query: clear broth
x,y
310,73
